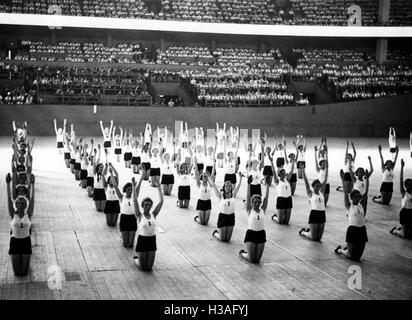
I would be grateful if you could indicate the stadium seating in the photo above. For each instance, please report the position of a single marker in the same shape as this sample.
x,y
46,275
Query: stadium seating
x,y
295,12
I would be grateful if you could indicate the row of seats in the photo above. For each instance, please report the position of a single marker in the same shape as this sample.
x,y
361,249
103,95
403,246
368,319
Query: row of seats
x,y
297,12
80,52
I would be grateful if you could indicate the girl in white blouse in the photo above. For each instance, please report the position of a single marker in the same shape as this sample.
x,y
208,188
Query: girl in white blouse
x,y
356,236
255,237
146,246
405,216
20,210
386,189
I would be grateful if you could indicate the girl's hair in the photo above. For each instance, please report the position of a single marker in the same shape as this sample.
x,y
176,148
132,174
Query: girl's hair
x,y
358,169
315,182
223,189
255,196
127,186
147,199
322,161
291,154
353,193
387,162
407,181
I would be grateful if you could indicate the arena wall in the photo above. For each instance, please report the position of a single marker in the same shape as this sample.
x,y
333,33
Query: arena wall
x,y
369,118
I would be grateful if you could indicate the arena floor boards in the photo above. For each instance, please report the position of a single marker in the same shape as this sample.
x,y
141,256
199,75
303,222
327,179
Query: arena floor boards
x,y
190,263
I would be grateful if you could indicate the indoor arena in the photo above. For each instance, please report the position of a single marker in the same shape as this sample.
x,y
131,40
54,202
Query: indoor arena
x,y
205,150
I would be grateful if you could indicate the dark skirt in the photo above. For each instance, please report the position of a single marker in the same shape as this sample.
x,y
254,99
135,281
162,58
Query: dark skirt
x,y
168,179
293,178
280,162
83,174
145,244
209,169
284,203
386,187
356,234
327,189
99,194
90,182
112,207
154,172
67,156
267,171
231,178
107,144
72,161
301,164
128,222
183,193
118,151
317,216
226,220
136,161
127,156
347,177
20,246
405,216
200,166
255,189
203,205
77,166
59,144
255,236
146,166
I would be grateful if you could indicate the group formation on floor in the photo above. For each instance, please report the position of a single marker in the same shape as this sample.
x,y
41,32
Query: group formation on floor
x,y
20,198
183,157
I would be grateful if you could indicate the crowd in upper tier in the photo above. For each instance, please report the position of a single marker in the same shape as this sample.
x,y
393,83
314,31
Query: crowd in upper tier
x,y
293,12
222,76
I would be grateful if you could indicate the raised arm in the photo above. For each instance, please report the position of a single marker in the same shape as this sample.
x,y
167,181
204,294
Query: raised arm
x,y
197,174
402,187
111,127
345,191
159,206
136,191
354,151
238,185
213,185
326,169
275,174
396,156
316,159
248,204
370,166
289,175
30,209
380,154
101,127
308,190
55,126
64,126
9,196
266,198
114,180
346,152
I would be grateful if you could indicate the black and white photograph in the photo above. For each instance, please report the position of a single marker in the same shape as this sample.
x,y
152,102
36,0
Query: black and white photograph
x,y
205,153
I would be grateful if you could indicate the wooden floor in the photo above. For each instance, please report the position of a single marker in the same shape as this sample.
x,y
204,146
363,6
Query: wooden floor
x,y
190,263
